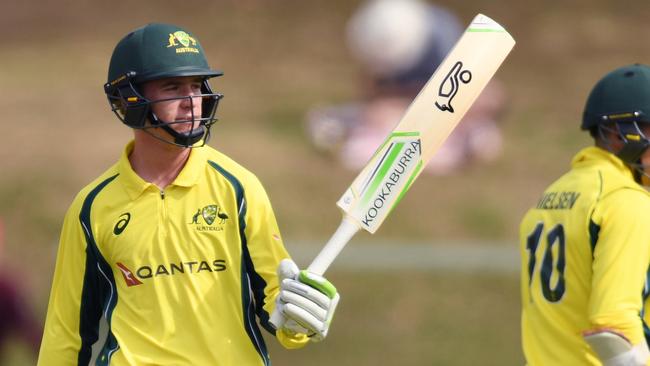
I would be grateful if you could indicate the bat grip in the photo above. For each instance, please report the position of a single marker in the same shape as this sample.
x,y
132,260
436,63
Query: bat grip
x,y
337,242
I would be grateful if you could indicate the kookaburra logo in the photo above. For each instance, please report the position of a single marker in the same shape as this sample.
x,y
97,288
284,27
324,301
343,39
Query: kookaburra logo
x,y
450,85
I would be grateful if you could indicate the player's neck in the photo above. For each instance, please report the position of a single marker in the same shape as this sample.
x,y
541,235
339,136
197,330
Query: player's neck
x,y
157,162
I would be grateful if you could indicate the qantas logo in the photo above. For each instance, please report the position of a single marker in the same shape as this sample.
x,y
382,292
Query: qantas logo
x,y
128,275
147,272
450,86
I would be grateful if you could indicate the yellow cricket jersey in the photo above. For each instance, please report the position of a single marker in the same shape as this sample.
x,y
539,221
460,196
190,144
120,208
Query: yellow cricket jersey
x,y
585,250
180,275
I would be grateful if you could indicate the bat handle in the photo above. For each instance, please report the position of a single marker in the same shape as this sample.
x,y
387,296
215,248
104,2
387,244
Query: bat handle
x,y
337,242
330,251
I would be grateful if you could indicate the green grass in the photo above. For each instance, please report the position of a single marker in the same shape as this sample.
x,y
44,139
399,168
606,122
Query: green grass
x,y
415,318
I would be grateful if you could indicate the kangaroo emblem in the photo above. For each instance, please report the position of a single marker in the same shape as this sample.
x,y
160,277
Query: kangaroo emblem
x,y
195,218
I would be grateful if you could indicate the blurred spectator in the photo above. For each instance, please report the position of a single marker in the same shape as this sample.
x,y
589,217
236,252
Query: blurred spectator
x,y
15,316
399,44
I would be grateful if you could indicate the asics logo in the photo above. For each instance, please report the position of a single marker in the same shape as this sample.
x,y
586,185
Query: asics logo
x,y
120,225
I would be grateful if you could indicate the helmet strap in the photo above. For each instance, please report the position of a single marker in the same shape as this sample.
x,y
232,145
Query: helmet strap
x,y
186,139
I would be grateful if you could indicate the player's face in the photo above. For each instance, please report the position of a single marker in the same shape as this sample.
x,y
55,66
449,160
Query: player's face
x,y
172,109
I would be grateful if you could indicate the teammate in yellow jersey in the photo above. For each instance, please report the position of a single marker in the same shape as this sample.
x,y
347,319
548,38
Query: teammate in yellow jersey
x,y
176,246
585,245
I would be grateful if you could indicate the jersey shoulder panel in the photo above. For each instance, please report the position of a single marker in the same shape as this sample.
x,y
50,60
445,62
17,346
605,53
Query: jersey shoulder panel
x,y
613,181
625,203
242,174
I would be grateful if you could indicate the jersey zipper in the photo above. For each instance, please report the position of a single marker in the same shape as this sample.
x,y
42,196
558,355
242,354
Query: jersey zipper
x,y
163,213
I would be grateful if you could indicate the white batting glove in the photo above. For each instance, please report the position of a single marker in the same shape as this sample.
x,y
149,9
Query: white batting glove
x,y
306,301
614,349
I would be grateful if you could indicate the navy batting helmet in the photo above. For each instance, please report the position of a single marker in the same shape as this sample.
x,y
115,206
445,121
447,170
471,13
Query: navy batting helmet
x,y
152,52
622,97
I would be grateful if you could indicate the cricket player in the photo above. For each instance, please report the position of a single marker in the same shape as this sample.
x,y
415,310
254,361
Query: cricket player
x,y
176,246
585,245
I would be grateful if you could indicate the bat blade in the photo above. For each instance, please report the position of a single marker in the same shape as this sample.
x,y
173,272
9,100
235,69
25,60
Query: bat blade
x,y
426,124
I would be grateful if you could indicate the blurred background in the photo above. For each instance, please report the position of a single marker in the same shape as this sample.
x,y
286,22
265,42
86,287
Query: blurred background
x,y
438,284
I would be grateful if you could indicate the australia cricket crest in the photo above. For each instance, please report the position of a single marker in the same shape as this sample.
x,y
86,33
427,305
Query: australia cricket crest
x,y
209,213
209,218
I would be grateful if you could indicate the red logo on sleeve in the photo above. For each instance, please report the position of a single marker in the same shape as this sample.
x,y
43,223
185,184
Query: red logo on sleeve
x,y
129,277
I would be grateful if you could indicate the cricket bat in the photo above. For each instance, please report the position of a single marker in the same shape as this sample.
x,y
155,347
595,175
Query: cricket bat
x,y
426,124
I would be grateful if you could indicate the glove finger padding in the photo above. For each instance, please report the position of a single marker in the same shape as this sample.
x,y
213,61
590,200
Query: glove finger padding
x,y
304,319
301,320
306,292
317,311
309,303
